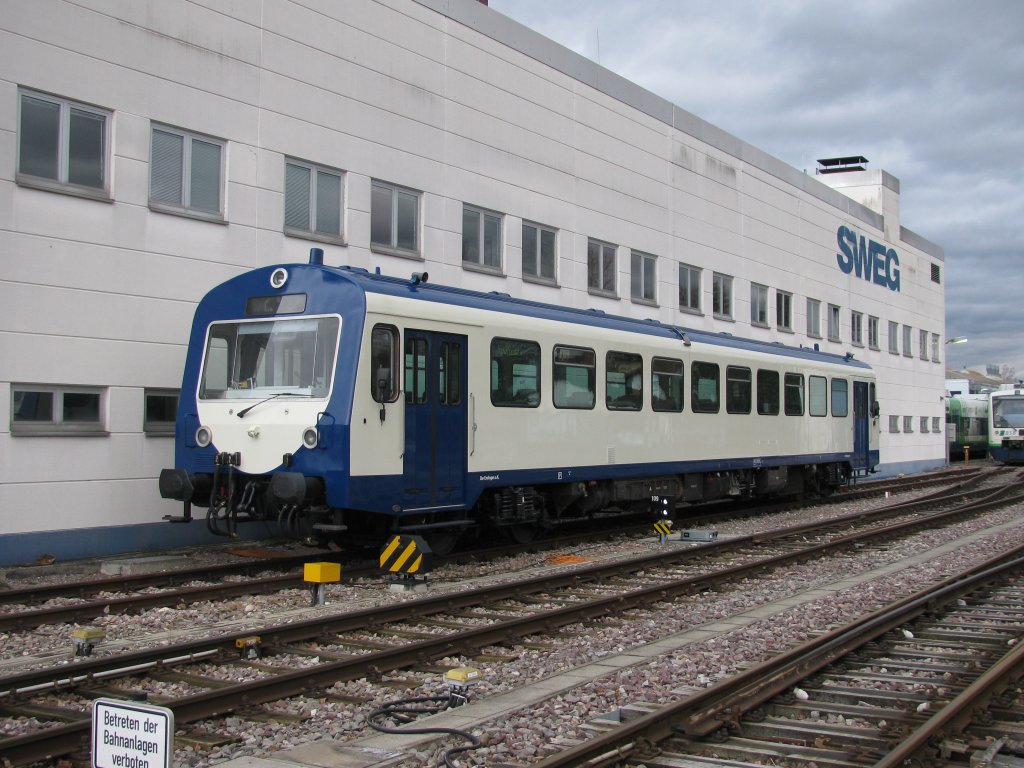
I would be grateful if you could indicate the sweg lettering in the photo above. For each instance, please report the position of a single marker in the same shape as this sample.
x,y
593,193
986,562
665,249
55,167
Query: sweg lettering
x,y
868,259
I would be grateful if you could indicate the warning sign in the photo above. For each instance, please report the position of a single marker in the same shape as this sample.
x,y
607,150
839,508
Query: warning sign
x,y
130,735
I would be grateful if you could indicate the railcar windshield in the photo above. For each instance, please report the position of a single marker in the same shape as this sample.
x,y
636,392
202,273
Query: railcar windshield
x,y
245,360
1008,412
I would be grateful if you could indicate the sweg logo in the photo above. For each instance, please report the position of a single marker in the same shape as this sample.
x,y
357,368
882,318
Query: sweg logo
x,y
868,259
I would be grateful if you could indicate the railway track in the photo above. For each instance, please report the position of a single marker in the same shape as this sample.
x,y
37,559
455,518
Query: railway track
x,y
415,634
920,682
85,600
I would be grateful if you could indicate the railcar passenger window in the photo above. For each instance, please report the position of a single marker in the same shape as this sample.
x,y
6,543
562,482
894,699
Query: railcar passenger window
x,y
515,373
666,384
737,389
574,377
840,397
794,394
818,396
415,371
384,363
704,387
768,393
624,375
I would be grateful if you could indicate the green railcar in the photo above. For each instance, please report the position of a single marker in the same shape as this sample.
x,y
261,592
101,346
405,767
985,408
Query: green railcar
x,y
967,425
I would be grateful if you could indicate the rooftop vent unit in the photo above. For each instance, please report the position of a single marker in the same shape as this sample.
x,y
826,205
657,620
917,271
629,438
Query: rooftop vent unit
x,y
841,164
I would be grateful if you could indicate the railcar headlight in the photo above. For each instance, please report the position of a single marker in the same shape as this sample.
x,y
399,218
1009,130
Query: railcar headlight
x,y
310,437
204,437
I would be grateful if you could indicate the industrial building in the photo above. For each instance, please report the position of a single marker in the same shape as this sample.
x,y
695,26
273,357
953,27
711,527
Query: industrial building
x,y
151,150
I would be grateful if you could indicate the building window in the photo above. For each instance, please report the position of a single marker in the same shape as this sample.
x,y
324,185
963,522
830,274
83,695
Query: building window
x,y
161,410
814,318
45,410
857,328
908,423
481,238
394,219
908,341
185,172
936,424
721,296
538,252
758,304
935,348
312,200
63,145
936,273
689,288
643,277
872,331
923,344
894,337
833,322
783,311
894,424
924,424
601,267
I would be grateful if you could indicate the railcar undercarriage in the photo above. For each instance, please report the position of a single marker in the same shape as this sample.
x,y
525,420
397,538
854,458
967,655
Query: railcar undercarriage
x,y
296,503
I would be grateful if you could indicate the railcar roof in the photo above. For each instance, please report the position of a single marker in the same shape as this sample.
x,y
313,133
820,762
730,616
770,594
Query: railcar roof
x,y
495,301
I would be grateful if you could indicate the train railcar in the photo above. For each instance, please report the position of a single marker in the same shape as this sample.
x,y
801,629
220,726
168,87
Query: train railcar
x,y
1006,425
967,426
350,406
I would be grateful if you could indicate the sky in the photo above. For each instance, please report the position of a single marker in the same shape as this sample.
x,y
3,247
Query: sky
x,y
931,91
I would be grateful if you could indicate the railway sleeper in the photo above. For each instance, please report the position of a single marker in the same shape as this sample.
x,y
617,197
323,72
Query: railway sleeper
x,y
755,752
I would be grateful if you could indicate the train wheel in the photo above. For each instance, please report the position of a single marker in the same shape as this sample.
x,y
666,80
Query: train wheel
x,y
442,542
523,534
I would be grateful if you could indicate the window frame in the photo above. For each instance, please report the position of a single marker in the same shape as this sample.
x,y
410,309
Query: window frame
x,y
538,275
834,320
648,278
873,332
759,305
894,425
394,353
57,424
396,193
512,402
767,392
481,218
839,394
597,281
185,206
721,296
856,328
312,230
631,366
784,310
689,291
894,337
556,366
922,342
814,318
739,389
935,348
817,396
673,402
63,160
908,341
790,382
696,403
908,424
159,427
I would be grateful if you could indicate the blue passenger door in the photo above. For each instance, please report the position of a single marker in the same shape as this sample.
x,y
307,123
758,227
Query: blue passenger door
x,y
435,421
861,425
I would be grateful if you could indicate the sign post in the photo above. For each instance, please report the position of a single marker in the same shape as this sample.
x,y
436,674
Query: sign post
x,y
130,735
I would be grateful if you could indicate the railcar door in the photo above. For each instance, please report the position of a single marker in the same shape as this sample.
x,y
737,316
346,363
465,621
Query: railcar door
x,y
861,424
435,420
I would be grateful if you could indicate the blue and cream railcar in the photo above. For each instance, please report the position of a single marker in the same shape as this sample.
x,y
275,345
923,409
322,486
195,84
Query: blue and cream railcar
x,y
1006,425
351,405
967,426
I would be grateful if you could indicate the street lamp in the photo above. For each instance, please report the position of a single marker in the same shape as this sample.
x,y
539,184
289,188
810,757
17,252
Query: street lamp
x,y
957,340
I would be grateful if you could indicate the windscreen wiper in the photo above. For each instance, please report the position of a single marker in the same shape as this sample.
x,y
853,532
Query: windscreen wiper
x,y
244,411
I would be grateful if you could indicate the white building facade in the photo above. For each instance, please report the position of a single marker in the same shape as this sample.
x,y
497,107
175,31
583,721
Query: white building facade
x,y
152,149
